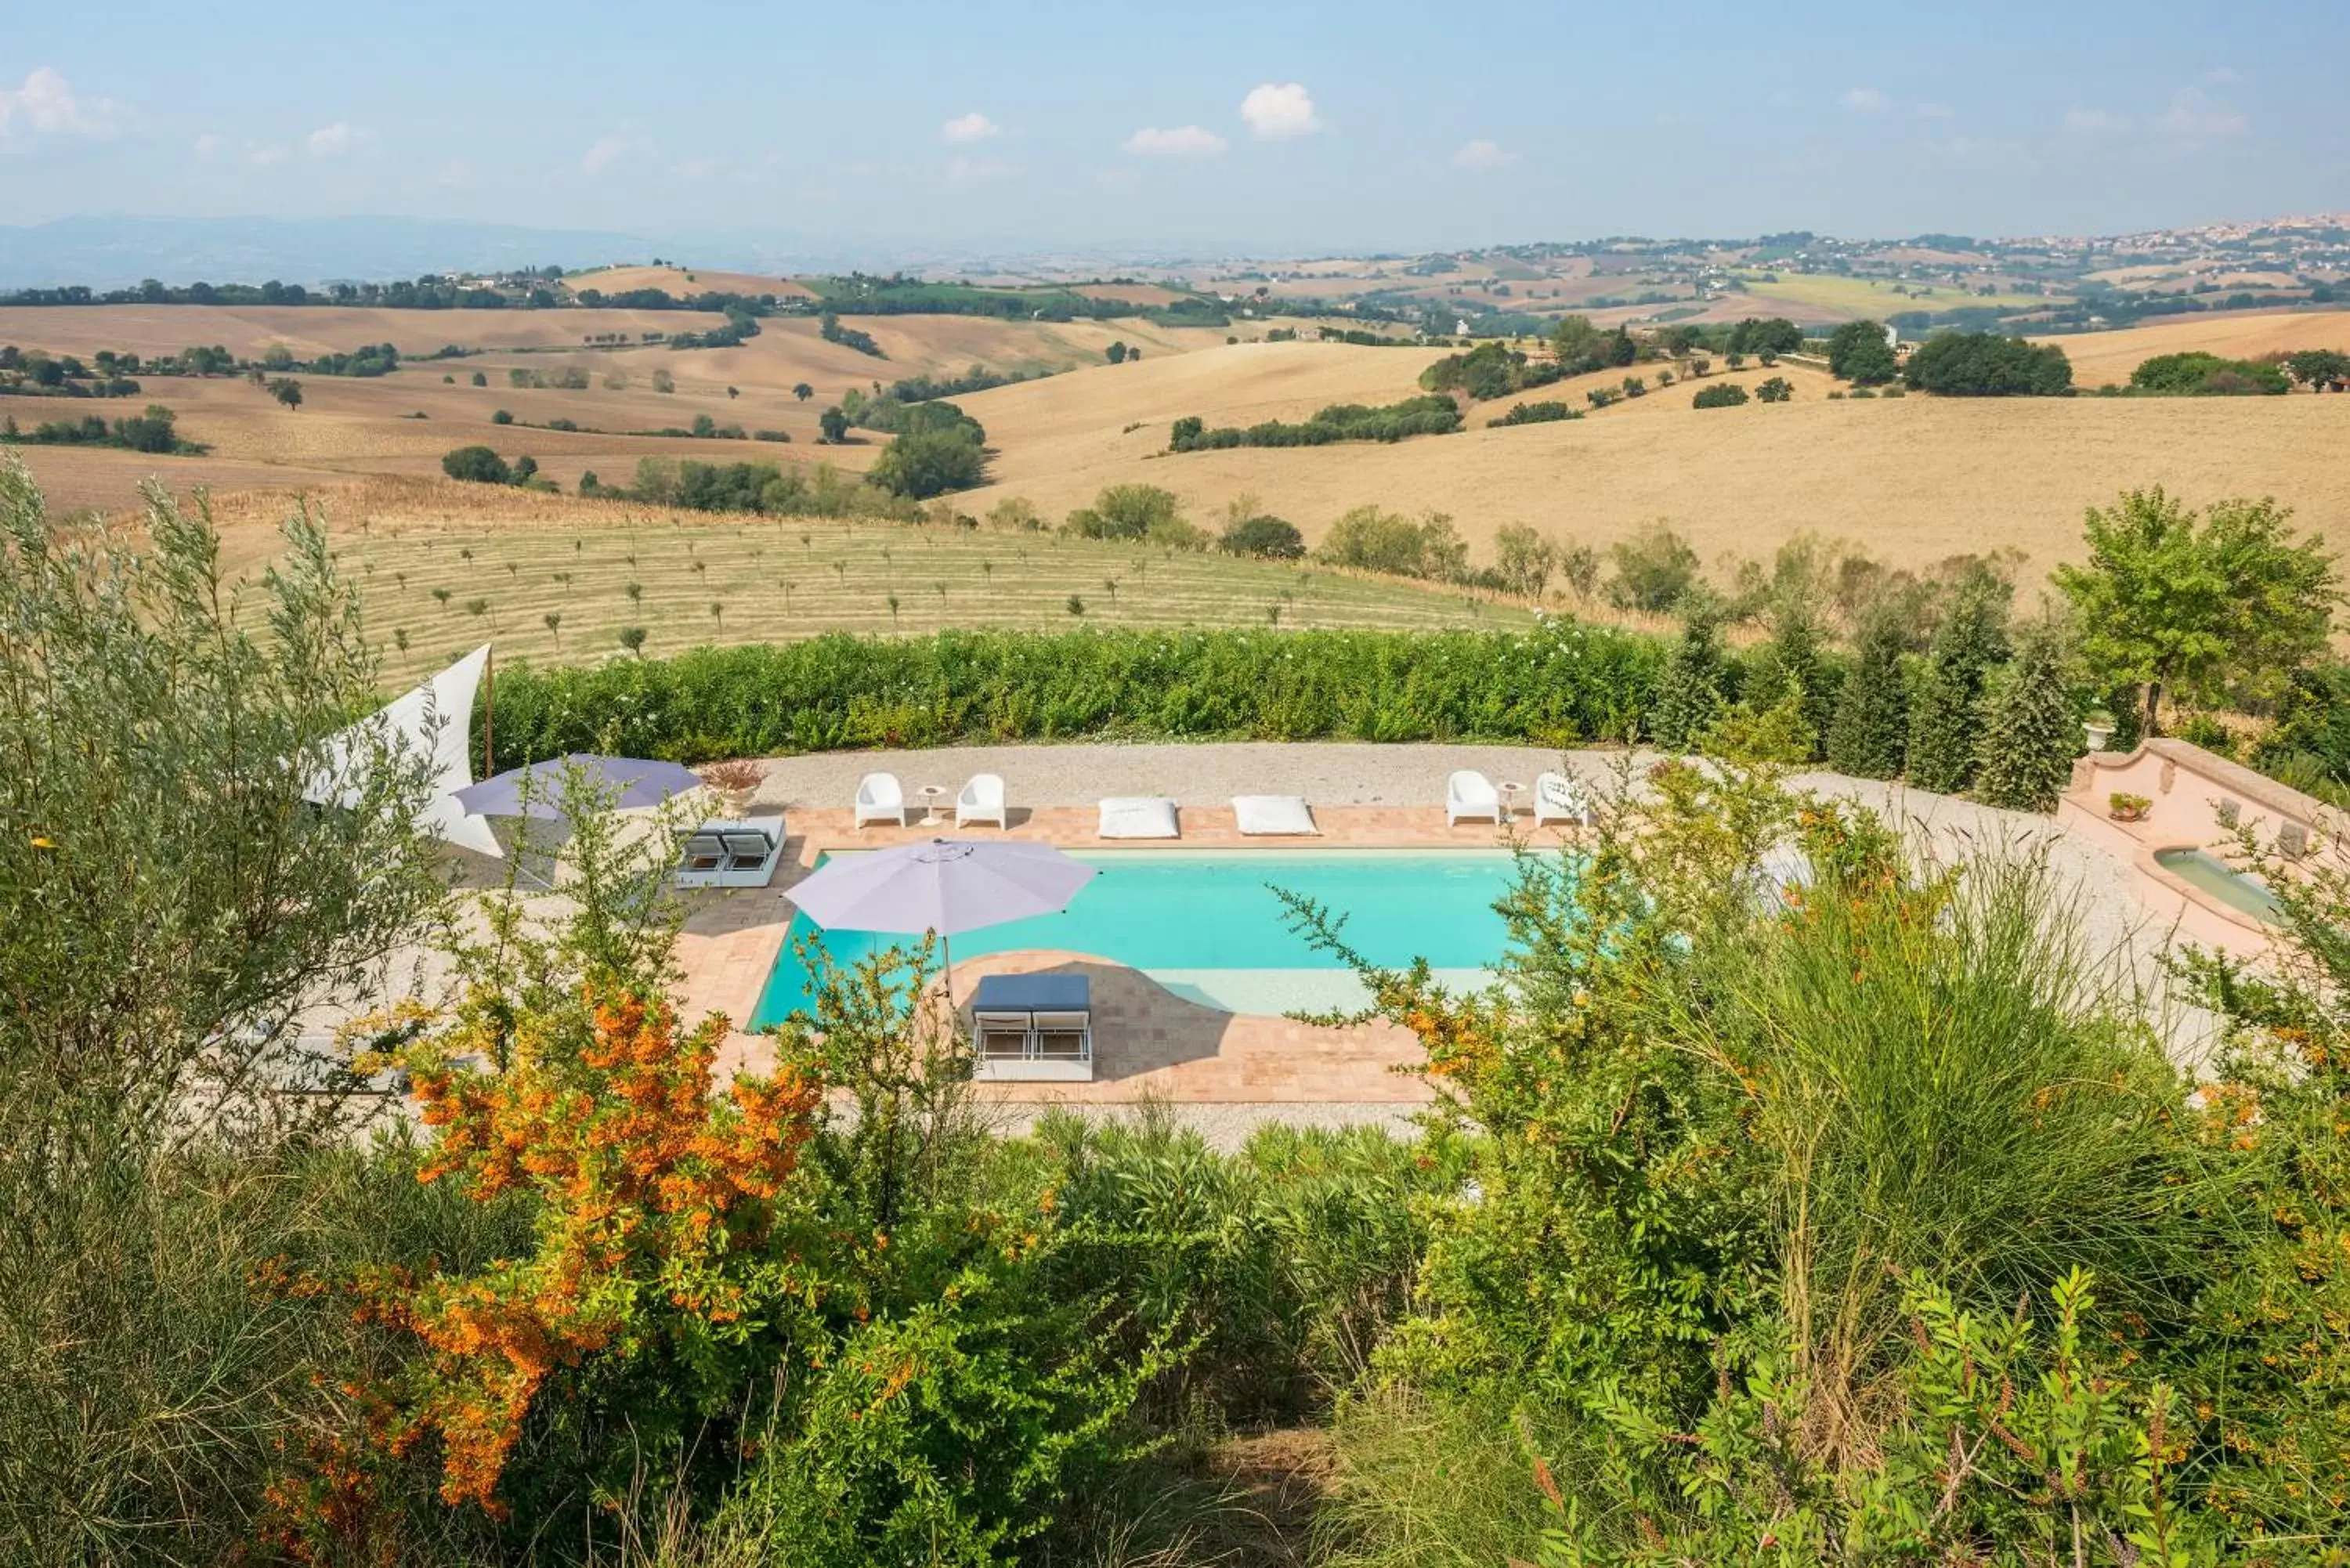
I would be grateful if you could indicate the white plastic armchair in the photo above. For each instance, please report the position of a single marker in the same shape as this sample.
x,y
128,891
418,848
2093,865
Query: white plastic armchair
x,y
878,799
1559,797
1470,794
982,800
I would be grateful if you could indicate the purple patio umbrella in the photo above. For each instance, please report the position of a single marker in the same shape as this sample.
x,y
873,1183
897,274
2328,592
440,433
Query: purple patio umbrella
x,y
538,788
944,885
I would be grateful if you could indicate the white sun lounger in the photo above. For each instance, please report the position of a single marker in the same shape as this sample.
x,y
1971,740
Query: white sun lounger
x,y
1559,797
723,853
1275,816
878,799
982,800
1468,794
1138,816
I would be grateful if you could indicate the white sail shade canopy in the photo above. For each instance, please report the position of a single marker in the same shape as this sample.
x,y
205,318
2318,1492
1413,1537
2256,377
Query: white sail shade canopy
x,y
434,721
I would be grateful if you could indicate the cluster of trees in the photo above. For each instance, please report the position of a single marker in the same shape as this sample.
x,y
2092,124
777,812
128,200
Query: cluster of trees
x,y
723,302
1260,535
740,327
482,465
864,293
369,360
1135,513
36,372
1369,539
937,447
2198,374
1580,347
1491,370
154,431
1772,335
783,492
2222,608
1721,395
569,378
1535,414
1859,352
520,291
1435,414
978,379
1988,365
2321,370
848,337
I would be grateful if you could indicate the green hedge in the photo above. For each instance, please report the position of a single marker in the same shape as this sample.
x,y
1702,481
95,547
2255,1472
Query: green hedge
x,y
1561,683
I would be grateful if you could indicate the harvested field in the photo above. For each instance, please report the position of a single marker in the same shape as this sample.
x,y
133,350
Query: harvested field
x,y
308,330
2099,358
1912,480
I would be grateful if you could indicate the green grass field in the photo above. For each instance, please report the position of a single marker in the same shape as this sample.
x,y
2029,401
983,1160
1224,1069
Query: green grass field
x,y
440,590
1860,296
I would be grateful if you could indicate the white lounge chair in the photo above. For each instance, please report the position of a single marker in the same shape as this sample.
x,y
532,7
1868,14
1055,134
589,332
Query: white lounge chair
x,y
982,800
1274,816
878,799
1468,794
1139,817
1559,797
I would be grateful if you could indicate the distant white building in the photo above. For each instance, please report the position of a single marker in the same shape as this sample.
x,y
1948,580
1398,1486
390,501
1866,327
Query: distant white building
x,y
1461,330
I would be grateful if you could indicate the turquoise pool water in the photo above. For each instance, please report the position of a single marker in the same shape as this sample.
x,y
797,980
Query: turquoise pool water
x,y
2206,872
1206,925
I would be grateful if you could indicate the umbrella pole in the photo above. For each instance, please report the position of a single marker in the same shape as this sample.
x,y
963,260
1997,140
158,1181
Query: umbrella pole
x,y
946,978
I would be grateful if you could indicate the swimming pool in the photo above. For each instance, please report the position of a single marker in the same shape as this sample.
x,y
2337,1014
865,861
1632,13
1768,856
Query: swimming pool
x,y
2207,873
1205,924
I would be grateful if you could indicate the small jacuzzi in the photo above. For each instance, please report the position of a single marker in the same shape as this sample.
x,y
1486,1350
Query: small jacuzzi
x,y
2216,879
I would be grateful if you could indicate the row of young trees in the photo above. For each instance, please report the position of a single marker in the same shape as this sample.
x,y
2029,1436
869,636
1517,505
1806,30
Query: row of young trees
x,y
2224,606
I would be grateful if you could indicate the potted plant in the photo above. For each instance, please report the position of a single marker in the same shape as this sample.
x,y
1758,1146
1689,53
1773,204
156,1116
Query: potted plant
x,y
2124,806
735,781
2097,728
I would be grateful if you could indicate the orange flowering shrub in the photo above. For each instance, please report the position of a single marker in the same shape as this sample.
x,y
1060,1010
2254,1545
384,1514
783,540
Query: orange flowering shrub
x,y
657,1203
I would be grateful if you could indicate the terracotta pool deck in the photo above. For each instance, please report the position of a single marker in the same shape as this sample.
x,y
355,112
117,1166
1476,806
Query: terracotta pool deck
x,y
1149,1042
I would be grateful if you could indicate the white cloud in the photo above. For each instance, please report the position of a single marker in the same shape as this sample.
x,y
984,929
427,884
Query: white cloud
x,y
965,128
47,105
264,157
1182,141
1483,154
2093,122
456,174
1275,112
964,170
209,146
605,151
2224,76
2195,115
1866,100
1933,112
332,141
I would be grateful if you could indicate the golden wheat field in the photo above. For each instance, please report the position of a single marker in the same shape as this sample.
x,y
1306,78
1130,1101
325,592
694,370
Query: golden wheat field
x,y
2099,358
1911,479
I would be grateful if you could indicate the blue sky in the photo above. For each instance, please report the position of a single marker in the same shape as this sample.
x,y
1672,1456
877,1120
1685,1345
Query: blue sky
x,y
1291,128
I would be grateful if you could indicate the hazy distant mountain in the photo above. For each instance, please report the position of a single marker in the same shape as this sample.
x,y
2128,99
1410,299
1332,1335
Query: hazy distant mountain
x,y
115,253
